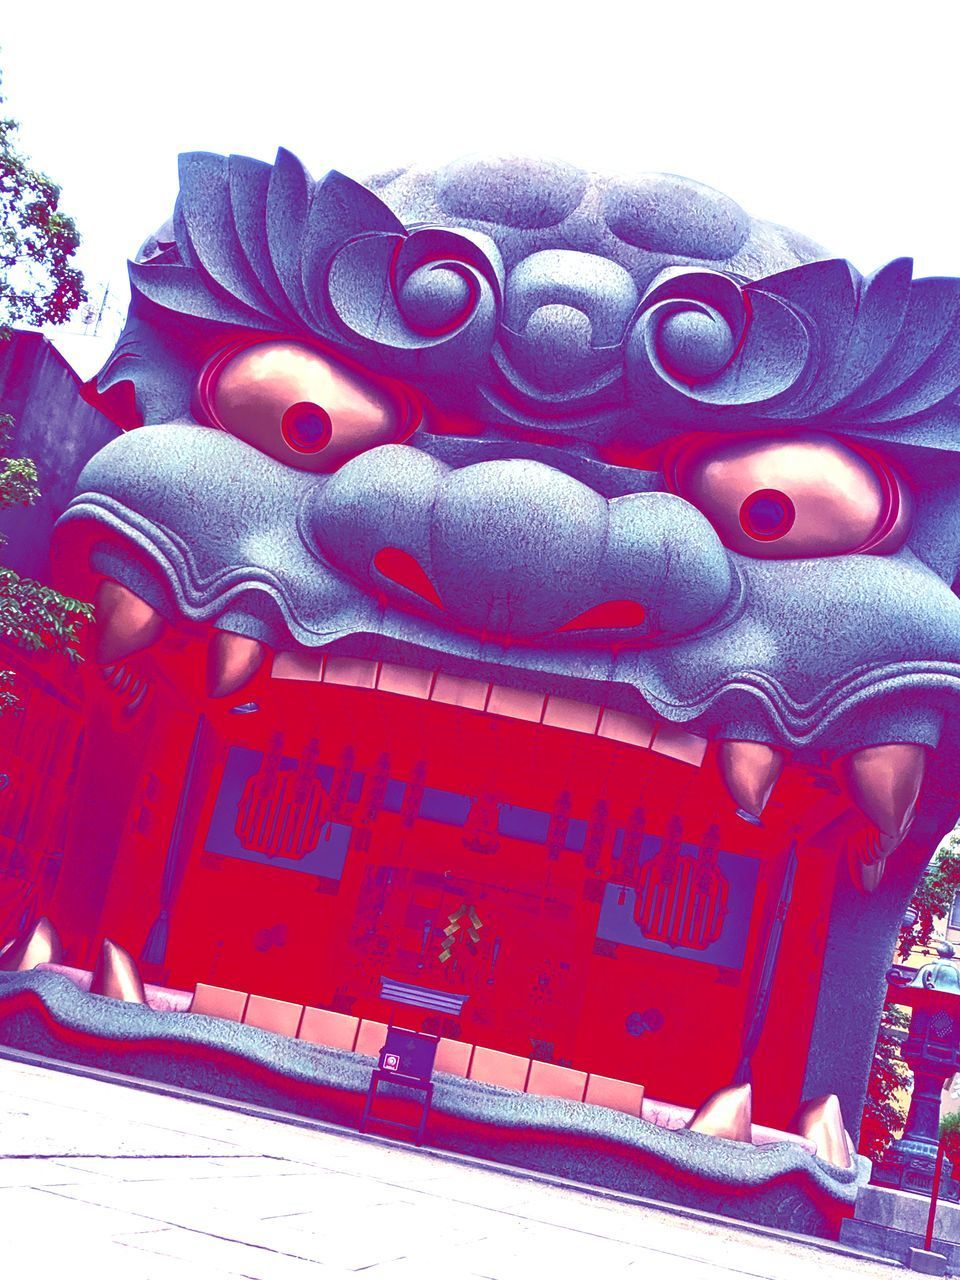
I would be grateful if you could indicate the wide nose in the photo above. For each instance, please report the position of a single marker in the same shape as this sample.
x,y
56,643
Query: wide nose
x,y
512,545
518,549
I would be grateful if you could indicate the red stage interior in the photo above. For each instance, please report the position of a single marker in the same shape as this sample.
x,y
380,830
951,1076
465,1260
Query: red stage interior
x,y
540,978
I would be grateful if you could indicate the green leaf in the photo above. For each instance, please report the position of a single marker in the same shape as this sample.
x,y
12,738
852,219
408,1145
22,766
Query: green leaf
x,y
38,283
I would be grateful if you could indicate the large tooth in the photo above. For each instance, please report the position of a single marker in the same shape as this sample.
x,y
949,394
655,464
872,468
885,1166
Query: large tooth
x,y
232,660
125,623
821,1121
885,782
37,945
726,1114
116,976
750,770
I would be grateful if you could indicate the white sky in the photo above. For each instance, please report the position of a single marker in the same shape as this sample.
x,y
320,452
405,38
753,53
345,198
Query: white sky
x,y
838,119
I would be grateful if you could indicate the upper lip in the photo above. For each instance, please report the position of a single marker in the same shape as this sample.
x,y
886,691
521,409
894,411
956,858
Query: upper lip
x,y
883,781
616,680
749,671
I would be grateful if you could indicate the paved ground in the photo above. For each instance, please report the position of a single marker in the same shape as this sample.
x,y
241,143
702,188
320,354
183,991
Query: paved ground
x,y
102,1181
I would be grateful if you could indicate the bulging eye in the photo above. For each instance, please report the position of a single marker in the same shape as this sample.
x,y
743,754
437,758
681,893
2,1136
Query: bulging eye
x,y
303,406
805,496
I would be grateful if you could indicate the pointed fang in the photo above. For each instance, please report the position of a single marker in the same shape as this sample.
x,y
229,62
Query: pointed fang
x,y
125,623
232,660
885,782
116,975
821,1122
38,945
726,1114
750,770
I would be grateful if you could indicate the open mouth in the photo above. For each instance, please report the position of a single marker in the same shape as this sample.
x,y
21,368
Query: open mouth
x,y
537,879
402,801
588,800
606,890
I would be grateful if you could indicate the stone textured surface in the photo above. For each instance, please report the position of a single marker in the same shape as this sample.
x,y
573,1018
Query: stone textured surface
x,y
887,1242
518,548
905,1211
538,194
667,214
894,1224
927,1261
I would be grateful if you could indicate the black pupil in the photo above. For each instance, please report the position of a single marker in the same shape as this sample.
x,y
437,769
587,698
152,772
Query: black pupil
x,y
307,427
767,514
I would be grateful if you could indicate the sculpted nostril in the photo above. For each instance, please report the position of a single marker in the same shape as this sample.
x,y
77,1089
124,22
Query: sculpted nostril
x,y
513,547
401,567
610,614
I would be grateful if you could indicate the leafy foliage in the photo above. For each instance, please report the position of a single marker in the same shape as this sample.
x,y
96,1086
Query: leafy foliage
x,y
38,284
890,1079
8,696
18,476
950,1137
31,615
890,1076
934,895
37,617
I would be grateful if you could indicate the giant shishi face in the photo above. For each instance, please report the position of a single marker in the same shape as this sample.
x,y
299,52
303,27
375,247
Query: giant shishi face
x,y
607,445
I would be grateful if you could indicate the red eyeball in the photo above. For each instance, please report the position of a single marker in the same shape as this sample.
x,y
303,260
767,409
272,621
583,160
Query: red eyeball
x,y
791,497
303,406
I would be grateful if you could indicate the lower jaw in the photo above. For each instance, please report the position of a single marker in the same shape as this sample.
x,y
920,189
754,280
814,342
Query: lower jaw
x,y
778,1183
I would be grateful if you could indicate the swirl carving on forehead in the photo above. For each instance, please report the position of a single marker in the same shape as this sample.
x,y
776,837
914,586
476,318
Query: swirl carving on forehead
x,y
715,341
417,290
645,335
565,314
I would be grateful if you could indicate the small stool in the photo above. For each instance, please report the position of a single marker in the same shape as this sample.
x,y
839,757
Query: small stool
x,y
426,1089
406,1059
